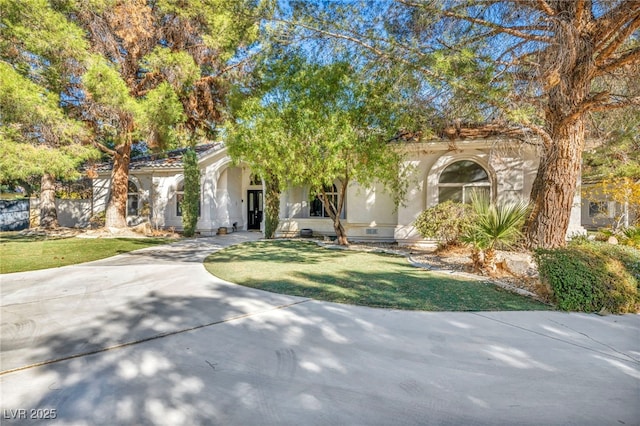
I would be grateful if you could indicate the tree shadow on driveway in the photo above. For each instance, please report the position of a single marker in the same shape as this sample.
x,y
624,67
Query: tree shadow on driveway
x,y
236,359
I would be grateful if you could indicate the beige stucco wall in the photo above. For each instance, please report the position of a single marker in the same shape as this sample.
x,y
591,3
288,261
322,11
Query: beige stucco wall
x,y
223,194
511,167
370,213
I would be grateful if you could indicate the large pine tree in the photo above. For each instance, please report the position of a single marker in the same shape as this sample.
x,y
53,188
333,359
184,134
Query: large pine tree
x,y
159,68
40,53
529,67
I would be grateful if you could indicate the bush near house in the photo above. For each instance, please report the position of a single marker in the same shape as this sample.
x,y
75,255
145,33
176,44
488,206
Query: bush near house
x,y
592,276
625,236
446,222
631,237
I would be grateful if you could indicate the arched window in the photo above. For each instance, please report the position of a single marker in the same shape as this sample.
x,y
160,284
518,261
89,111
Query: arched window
x,y
133,199
255,180
180,198
460,179
316,207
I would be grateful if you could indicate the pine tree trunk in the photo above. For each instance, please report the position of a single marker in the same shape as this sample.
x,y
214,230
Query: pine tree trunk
x,y
554,187
116,214
271,206
48,211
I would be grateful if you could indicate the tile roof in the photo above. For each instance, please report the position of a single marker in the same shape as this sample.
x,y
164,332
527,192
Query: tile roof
x,y
167,159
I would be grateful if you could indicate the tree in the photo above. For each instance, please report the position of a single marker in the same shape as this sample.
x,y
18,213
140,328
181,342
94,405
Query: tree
x,y
316,125
191,200
259,135
529,67
159,67
38,64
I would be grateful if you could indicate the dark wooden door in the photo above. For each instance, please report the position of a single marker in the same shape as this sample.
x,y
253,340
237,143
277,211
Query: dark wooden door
x,y
255,207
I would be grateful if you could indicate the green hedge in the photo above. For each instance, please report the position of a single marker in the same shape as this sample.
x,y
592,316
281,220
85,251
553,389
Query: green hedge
x,y
591,276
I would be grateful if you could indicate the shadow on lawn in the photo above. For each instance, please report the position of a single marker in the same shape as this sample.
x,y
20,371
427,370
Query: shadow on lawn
x,y
420,290
279,251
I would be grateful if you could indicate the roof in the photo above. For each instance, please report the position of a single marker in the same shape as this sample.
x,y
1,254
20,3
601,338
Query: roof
x,y
164,160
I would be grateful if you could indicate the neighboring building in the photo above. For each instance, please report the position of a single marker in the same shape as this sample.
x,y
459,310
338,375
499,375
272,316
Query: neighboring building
x,y
599,211
230,193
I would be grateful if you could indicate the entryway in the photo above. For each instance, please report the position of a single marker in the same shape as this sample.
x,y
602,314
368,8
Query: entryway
x,y
255,207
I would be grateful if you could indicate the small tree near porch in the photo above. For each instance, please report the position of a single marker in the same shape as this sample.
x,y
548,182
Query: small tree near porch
x,y
312,125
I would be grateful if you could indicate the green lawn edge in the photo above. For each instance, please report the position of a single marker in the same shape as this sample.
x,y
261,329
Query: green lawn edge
x,y
22,254
380,280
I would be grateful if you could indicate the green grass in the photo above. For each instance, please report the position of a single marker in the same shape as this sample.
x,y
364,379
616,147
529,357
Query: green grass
x,y
370,279
19,253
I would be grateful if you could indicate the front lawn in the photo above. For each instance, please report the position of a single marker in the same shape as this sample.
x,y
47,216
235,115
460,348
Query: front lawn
x,y
302,268
27,253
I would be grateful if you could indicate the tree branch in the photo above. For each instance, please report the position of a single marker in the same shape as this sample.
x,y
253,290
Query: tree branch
x,y
355,40
602,101
544,7
579,10
544,135
606,50
103,148
500,28
630,57
610,23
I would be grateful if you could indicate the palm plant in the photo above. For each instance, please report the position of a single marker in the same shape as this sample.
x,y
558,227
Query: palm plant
x,y
496,225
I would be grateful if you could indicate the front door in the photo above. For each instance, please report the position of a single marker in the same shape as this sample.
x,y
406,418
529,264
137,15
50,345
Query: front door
x,y
255,204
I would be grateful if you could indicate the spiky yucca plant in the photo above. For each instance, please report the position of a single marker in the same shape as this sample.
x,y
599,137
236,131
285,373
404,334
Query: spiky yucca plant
x,y
496,225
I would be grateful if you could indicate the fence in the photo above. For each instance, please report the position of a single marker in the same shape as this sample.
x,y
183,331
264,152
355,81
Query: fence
x,y
71,213
14,215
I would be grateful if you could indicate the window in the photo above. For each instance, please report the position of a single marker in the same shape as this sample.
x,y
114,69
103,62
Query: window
x,y
255,180
179,198
317,208
462,178
598,208
133,199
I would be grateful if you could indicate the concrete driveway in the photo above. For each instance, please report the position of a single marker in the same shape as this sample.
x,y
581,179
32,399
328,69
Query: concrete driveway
x,y
150,337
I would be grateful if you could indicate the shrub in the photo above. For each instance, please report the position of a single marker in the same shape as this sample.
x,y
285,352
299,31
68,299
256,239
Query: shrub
x,y
495,226
631,237
445,222
98,220
191,200
590,277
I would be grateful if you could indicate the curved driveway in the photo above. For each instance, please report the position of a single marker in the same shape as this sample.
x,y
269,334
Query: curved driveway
x,y
149,337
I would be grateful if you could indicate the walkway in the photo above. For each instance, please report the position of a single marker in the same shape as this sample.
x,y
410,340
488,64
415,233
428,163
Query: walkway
x,y
150,337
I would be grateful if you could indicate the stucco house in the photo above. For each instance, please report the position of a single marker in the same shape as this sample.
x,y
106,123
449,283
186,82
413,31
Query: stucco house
x,y
232,194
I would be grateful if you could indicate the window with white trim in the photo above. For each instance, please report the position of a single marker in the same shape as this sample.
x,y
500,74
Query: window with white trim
x,y
460,179
180,198
316,207
133,199
598,208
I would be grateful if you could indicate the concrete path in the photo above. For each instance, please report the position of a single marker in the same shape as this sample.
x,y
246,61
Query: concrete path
x,y
151,338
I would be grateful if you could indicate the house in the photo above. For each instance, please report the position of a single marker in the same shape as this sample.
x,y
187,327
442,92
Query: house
x,y
232,194
600,211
